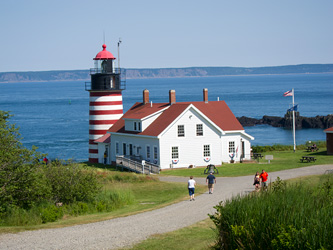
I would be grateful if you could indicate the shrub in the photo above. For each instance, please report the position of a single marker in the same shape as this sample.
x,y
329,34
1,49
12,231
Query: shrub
x,y
285,217
51,213
71,182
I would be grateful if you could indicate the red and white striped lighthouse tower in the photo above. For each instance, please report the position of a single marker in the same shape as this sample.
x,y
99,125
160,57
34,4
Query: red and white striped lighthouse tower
x,y
106,102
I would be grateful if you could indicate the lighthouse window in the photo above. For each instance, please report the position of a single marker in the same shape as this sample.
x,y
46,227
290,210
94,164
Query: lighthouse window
x,y
206,150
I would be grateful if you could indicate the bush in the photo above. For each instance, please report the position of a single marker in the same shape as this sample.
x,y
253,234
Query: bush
x,y
51,213
284,217
21,182
70,182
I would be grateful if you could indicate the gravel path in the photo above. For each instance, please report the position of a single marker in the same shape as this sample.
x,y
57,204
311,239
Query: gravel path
x,y
126,231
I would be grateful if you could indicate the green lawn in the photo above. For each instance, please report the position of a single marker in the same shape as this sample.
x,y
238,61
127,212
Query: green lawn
x,y
282,160
148,195
198,236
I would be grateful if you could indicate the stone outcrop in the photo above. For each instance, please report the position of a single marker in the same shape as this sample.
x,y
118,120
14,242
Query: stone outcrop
x,y
322,122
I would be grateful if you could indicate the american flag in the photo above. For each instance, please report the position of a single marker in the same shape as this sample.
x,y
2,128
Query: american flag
x,y
288,93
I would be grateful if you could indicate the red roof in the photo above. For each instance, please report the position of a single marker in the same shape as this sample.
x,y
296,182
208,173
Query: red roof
x,y
104,54
329,130
104,139
217,111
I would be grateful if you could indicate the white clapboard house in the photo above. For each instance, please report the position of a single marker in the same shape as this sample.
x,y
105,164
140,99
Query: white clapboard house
x,y
178,134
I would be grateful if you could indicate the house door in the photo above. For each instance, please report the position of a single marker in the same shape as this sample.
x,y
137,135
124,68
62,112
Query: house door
x,y
106,154
243,150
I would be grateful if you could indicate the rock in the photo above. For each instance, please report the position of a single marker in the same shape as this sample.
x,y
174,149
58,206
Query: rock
x,y
322,122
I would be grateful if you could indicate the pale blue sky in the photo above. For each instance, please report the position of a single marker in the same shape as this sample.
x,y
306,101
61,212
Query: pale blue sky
x,y
66,35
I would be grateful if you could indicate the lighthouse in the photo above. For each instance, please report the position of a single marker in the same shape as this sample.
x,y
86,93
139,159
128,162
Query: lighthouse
x,y
105,103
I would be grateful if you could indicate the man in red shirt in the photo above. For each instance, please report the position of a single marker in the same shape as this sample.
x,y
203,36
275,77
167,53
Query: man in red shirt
x,y
263,179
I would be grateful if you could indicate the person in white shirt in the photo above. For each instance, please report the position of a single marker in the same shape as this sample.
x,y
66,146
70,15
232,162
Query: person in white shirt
x,y
191,188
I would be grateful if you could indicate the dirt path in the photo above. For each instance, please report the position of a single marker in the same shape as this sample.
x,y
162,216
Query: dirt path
x,y
125,231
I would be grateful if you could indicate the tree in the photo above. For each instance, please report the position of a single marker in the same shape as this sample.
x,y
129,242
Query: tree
x,y
21,182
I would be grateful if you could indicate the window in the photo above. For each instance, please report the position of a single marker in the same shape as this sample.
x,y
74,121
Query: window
x,y
231,147
130,149
181,131
139,126
155,152
124,148
148,152
199,130
206,150
117,148
135,126
174,153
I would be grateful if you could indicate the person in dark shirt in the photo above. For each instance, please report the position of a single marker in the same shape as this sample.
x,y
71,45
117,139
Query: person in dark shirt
x,y
210,180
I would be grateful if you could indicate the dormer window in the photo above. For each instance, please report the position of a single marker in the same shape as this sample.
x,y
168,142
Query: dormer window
x,y
134,126
139,126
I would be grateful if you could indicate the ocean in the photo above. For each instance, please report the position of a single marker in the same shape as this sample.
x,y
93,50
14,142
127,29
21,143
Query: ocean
x,y
54,116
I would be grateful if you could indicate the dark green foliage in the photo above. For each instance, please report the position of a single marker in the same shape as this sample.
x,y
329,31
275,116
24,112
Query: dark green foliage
x,y
51,213
279,147
284,217
69,182
29,189
21,181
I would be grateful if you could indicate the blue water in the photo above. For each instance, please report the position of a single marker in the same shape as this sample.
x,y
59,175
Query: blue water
x,y
54,116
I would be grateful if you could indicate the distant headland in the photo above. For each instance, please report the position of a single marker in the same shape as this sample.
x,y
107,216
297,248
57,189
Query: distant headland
x,y
83,75
322,122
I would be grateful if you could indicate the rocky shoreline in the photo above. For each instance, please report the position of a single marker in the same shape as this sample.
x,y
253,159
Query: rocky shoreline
x,y
322,122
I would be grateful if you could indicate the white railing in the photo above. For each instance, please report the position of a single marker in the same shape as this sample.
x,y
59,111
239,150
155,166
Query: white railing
x,y
136,166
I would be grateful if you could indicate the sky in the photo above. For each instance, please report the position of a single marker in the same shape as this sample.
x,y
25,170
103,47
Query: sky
x,y
42,35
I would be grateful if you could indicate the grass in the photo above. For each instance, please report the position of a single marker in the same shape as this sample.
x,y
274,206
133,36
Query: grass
x,y
148,193
290,215
203,234
198,236
282,160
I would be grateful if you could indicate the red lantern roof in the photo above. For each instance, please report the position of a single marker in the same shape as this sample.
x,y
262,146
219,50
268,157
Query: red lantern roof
x,y
104,54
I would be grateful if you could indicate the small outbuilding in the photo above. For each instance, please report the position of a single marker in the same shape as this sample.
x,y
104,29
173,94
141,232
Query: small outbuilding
x,y
329,140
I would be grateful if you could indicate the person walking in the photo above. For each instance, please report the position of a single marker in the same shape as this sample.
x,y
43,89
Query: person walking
x,y
263,179
256,182
45,160
210,180
105,157
191,187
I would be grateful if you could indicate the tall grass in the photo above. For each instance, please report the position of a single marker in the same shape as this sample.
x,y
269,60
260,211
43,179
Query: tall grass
x,y
284,217
105,201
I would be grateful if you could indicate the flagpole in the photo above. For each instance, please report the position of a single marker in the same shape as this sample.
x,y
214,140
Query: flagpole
x,y
294,134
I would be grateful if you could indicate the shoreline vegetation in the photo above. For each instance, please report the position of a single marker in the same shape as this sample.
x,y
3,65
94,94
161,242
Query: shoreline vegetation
x,y
142,73
322,122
